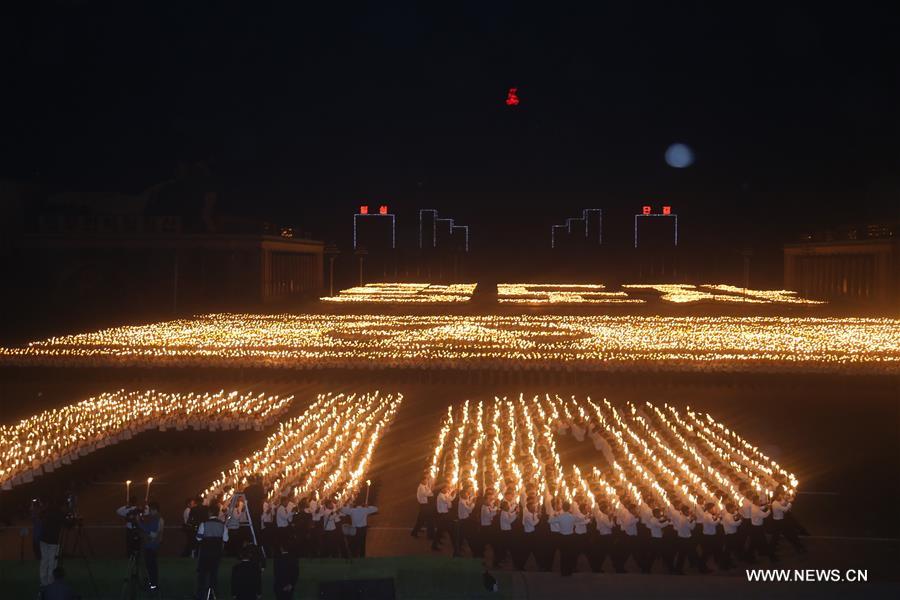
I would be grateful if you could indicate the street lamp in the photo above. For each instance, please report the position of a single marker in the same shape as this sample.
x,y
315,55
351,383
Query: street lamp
x,y
361,253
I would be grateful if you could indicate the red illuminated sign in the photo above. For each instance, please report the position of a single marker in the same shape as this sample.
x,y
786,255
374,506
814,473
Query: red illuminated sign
x,y
667,210
646,210
363,209
512,98
382,210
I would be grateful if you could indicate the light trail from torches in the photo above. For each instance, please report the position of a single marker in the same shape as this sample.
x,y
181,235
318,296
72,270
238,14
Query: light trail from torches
x,y
588,343
323,453
540,293
404,293
653,454
53,438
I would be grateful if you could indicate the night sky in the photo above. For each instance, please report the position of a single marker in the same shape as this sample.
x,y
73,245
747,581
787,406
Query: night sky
x,y
306,110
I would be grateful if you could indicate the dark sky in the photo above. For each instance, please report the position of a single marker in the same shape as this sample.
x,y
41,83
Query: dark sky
x,y
306,110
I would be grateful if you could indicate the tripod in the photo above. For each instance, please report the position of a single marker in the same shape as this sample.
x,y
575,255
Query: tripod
x,y
132,585
77,549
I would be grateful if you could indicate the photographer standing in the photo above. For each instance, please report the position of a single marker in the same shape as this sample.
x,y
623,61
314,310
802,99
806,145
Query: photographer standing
x,y
211,535
152,526
52,521
132,515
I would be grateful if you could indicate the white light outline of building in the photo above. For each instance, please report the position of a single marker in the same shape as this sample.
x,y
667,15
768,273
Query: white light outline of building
x,y
673,215
584,218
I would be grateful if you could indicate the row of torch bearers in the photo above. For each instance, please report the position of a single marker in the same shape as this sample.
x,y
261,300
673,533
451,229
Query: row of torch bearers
x,y
322,454
509,447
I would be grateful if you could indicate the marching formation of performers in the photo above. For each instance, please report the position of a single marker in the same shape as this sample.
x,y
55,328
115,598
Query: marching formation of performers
x,y
690,496
532,528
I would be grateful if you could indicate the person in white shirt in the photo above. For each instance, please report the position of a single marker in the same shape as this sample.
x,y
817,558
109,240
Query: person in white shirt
x,y
333,541
601,535
528,540
359,520
783,524
626,542
489,511
465,522
186,527
656,523
267,535
424,518
685,544
710,541
504,538
283,518
566,521
443,519
758,543
731,522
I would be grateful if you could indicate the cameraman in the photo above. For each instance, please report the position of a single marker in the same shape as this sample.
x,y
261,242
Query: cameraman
x,y
152,527
52,521
132,516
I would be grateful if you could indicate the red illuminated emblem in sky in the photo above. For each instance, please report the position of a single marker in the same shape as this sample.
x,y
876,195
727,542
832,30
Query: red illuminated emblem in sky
x,y
667,210
512,98
363,209
382,210
646,210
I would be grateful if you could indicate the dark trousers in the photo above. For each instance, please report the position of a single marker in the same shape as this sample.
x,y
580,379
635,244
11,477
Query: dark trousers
x,y
284,537
547,553
567,554
686,549
207,574
502,545
758,543
152,564
359,542
424,518
785,528
522,546
190,541
711,547
443,523
600,545
732,548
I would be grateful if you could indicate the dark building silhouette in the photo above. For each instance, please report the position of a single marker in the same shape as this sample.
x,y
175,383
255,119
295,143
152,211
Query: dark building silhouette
x,y
852,264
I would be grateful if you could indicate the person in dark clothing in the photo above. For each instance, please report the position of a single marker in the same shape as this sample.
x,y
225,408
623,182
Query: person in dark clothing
x,y
59,589
211,538
152,527
36,528
287,570
52,521
246,578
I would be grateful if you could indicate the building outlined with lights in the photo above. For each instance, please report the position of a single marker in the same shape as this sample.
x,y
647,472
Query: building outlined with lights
x,y
374,230
437,233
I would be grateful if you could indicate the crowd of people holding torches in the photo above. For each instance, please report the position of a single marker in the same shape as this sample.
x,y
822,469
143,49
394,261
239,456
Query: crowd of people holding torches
x,y
315,498
674,488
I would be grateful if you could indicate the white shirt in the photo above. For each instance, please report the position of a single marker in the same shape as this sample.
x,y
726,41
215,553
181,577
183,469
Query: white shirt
x,y
529,520
185,516
604,523
708,522
745,508
655,527
329,519
423,493
464,508
729,523
359,515
779,508
757,515
507,518
627,522
443,503
283,517
487,515
566,522
683,525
